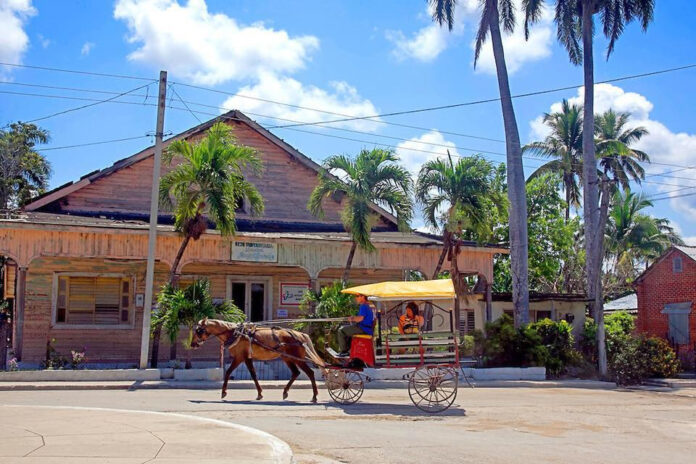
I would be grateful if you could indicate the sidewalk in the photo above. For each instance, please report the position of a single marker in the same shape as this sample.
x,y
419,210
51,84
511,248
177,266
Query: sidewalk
x,y
86,436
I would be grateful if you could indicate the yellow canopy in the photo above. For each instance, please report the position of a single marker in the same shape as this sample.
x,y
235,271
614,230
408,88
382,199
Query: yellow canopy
x,y
413,290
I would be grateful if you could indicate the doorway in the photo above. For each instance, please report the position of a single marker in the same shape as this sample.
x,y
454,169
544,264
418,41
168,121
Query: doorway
x,y
251,295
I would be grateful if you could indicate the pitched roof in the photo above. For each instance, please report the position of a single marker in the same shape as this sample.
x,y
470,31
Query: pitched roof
x,y
689,251
627,302
234,115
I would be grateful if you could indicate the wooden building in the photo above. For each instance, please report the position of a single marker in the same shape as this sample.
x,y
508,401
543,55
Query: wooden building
x,y
77,253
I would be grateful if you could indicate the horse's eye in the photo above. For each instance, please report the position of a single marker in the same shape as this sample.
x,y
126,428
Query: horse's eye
x,y
200,331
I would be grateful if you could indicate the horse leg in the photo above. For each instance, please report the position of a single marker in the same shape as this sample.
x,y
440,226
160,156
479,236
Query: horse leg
x,y
295,372
252,371
236,361
310,373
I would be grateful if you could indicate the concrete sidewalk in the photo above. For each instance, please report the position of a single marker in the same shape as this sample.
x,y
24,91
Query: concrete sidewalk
x,y
48,434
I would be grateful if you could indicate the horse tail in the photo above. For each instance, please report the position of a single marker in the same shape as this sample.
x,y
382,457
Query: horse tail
x,y
312,353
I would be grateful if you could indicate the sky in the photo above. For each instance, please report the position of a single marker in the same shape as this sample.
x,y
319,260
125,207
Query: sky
x,y
354,58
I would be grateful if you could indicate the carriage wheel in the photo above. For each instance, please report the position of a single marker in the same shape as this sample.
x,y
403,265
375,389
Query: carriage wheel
x,y
345,386
433,389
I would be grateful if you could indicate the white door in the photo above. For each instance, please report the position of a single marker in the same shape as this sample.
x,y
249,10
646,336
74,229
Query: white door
x,y
251,295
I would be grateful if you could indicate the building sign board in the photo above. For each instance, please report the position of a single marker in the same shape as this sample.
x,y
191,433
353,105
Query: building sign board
x,y
258,252
291,294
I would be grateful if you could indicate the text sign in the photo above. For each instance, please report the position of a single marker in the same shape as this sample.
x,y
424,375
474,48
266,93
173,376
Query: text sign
x,y
258,252
291,294
282,313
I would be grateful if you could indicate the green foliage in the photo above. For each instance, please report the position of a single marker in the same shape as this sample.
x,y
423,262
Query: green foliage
x,y
187,306
662,360
557,337
467,346
24,172
328,303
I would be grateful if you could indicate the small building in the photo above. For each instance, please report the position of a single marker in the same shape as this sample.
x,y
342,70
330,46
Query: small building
x,y
666,294
627,303
554,306
77,254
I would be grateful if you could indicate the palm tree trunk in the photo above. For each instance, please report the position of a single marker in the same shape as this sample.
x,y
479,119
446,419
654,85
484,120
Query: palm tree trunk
x,y
516,184
567,195
593,237
445,249
349,263
157,333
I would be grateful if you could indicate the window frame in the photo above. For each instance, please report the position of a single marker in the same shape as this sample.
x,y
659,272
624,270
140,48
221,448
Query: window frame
x,y
677,269
64,325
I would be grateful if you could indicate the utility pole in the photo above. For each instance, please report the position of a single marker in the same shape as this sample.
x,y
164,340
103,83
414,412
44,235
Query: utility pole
x,y
154,207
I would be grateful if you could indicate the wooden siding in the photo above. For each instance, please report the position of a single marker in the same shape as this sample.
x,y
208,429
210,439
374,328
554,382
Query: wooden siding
x,y
9,279
285,185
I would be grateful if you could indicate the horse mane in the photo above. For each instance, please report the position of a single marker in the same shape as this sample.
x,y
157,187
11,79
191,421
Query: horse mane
x,y
225,324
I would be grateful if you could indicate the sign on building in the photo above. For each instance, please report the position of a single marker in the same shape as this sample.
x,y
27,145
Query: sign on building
x,y
258,252
291,294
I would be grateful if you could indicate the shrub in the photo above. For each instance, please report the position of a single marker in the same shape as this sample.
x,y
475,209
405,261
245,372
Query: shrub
x,y
557,337
78,358
467,346
661,358
633,359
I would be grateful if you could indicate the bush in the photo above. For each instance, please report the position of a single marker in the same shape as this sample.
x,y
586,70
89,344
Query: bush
x,y
467,346
557,337
633,359
661,358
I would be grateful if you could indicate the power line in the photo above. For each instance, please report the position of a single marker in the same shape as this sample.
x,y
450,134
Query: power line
x,y
171,87
94,143
76,71
90,104
673,196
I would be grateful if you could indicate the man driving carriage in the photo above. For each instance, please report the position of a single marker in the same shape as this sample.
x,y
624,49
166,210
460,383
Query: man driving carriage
x,y
360,324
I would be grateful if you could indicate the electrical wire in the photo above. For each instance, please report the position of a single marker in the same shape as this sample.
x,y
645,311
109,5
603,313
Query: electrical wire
x,y
75,71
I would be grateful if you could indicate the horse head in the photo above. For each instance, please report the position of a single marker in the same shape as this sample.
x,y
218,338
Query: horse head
x,y
200,333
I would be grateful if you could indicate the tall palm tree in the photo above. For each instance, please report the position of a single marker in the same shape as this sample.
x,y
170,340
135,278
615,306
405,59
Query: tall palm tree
x,y
372,177
618,161
575,24
207,184
24,172
458,197
565,145
633,237
495,13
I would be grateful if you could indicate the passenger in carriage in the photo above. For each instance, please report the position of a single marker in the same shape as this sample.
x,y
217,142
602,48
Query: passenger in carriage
x,y
411,322
360,324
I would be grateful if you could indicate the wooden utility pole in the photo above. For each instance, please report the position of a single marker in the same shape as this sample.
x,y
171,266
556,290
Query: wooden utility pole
x,y
152,237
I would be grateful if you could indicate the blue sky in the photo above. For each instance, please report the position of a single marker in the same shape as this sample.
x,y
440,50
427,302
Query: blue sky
x,y
357,58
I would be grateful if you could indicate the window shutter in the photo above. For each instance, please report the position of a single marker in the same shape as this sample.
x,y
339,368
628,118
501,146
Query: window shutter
x,y
677,264
107,297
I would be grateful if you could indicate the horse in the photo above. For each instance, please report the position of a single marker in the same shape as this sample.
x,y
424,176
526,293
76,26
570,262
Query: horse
x,y
247,342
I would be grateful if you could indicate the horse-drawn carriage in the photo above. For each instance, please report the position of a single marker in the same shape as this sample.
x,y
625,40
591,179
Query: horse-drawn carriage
x,y
431,354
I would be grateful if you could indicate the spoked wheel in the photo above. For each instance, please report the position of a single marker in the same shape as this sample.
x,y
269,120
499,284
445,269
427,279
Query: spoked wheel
x,y
345,386
432,388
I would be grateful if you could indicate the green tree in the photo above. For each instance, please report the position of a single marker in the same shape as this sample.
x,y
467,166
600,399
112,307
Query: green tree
x,y
618,160
462,199
24,172
564,144
575,24
372,177
208,182
633,239
186,307
494,14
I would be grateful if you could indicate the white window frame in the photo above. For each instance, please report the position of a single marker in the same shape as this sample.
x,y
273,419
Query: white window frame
x,y
248,280
64,325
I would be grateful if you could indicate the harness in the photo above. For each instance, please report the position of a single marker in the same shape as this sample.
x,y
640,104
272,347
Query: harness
x,y
248,331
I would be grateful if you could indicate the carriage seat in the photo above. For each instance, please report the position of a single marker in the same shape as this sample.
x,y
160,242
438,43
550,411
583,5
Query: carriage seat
x,y
368,337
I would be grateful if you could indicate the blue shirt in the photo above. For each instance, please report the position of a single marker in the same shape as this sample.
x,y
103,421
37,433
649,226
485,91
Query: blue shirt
x,y
366,324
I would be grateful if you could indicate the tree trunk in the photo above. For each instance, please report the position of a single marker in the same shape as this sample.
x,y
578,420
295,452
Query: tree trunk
x,y
516,184
599,300
445,248
593,237
157,332
349,263
567,210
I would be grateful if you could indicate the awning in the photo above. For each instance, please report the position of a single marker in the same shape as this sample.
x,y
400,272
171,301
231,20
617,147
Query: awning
x,y
441,289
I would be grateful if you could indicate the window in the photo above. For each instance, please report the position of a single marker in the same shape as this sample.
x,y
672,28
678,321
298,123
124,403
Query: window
x,y
93,300
541,315
677,264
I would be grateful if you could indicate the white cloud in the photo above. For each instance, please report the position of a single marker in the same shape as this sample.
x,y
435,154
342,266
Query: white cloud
x,y
86,48
518,50
416,151
340,98
205,47
661,144
428,42
45,42
13,40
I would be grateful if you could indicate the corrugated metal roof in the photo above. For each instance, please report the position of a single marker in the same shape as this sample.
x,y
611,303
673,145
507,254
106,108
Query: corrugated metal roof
x,y
625,303
689,250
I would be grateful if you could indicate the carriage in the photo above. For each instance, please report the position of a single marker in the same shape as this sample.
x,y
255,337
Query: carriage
x,y
431,355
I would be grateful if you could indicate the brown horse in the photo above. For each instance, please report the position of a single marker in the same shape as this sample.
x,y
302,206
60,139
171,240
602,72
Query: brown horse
x,y
247,342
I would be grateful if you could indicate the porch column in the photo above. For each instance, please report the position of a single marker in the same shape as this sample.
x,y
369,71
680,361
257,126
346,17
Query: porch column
x,y
489,302
20,290
314,287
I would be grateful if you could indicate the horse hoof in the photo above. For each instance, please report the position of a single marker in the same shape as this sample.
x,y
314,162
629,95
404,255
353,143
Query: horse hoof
x,y
224,394
314,400
260,397
285,395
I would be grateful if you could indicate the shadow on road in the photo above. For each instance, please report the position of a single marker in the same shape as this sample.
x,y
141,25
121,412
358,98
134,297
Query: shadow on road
x,y
366,409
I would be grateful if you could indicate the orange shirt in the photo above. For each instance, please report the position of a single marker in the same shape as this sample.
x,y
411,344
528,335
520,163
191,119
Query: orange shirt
x,y
409,325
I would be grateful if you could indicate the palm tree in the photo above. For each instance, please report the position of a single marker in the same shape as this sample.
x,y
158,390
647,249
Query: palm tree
x,y
575,22
565,145
24,172
617,160
458,197
208,183
633,237
495,13
373,177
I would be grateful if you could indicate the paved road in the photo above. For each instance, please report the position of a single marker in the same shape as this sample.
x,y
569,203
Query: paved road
x,y
489,425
